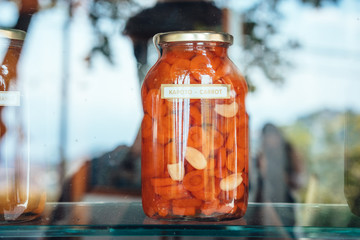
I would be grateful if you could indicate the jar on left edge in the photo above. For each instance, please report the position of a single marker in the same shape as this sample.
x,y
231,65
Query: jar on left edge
x,y
22,192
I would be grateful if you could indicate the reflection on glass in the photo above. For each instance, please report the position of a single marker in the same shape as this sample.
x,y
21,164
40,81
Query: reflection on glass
x,y
21,195
194,150
279,172
352,162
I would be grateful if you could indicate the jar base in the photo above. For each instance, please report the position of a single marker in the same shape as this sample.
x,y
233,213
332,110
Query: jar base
x,y
187,219
26,217
200,218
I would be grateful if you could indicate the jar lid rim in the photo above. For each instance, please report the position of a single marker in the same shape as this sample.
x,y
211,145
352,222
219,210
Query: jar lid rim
x,y
14,34
197,36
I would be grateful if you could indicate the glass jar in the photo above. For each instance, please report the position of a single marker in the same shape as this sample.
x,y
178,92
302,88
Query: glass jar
x,y
194,130
21,198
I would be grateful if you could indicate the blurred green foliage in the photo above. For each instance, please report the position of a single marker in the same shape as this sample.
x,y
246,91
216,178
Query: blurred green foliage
x,y
352,161
320,140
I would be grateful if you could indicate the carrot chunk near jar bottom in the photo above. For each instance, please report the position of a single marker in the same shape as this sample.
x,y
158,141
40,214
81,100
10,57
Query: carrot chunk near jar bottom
x,y
184,211
194,144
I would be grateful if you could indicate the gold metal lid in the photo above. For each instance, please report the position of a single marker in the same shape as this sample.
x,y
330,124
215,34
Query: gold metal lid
x,y
192,36
12,34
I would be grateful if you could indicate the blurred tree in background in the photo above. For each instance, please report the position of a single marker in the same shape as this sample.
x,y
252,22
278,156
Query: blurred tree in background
x,y
260,26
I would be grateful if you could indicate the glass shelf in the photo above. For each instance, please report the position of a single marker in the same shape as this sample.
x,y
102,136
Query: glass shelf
x,y
127,219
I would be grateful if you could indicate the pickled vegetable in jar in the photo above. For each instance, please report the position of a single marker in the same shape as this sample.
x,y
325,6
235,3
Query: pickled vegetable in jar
x,y
194,131
22,190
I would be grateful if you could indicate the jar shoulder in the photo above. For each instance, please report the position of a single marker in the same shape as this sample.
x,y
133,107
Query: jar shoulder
x,y
200,69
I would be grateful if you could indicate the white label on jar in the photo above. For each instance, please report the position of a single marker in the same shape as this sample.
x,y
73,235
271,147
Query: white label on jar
x,y
9,98
195,91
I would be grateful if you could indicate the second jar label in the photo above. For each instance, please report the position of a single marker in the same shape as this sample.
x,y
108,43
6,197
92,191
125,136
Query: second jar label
x,y
195,91
9,98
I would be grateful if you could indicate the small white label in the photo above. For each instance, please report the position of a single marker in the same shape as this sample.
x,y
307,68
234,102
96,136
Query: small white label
x,y
195,91
9,98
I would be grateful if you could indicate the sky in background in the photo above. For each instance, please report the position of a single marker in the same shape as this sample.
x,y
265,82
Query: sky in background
x,y
326,68
105,107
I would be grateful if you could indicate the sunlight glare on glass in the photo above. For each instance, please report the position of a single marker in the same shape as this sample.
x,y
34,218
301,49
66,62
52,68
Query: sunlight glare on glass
x,y
8,14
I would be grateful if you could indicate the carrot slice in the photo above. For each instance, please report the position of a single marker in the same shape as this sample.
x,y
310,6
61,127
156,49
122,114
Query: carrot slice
x,y
209,193
242,137
180,52
207,149
153,163
170,153
195,115
149,211
215,136
195,137
210,140
208,208
172,192
194,181
237,193
166,107
215,62
236,162
226,208
221,158
208,211
221,172
245,177
220,51
162,207
222,70
190,202
147,192
163,72
154,105
201,66
162,135
226,125
166,128
188,167
159,182
230,141
193,80
188,211
144,92
179,70
198,194
229,196
211,164
238,82
170,57
152,96
163,212
207,114
146,126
